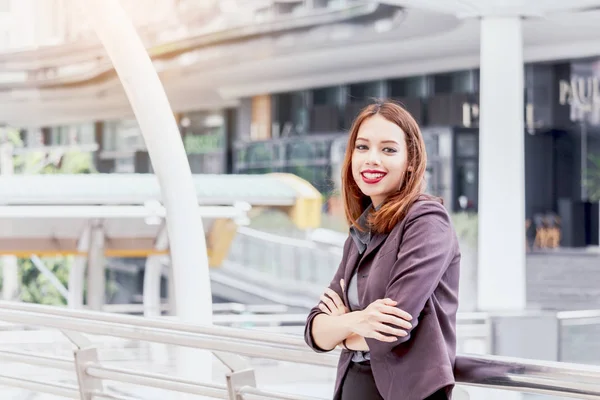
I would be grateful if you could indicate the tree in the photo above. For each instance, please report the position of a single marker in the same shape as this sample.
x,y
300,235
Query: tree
x,y
36,288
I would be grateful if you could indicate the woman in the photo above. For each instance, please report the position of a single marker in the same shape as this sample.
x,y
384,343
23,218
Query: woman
x,y
391,305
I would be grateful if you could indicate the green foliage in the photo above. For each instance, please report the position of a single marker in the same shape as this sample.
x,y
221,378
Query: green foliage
x,y
14,138
36,288
71,162
592,181
466,226
199,144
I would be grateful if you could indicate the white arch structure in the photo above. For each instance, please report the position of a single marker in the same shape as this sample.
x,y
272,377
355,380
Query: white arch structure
x,y
156,120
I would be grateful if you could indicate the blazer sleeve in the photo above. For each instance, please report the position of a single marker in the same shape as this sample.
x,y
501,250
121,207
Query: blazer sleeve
x,y
335,286
427,247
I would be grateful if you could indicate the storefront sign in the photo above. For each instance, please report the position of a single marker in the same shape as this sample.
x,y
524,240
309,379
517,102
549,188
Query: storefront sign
x,y
582,93
200,144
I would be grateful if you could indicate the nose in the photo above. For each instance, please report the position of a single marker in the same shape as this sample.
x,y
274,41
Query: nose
x,y
373,157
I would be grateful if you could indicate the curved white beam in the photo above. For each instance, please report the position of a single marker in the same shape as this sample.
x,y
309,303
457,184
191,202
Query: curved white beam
x,y
163,140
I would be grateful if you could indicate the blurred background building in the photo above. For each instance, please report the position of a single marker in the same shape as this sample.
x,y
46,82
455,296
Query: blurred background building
x,y
267,86
273,85
292,75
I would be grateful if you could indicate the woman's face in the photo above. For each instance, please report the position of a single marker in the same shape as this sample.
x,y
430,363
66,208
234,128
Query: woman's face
x,y
379,158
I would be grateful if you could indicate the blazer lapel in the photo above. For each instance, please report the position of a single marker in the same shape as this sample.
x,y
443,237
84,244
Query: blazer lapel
x,y
350,267
376,241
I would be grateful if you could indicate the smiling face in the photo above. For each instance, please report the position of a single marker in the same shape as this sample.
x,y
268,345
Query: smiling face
x,y
379,158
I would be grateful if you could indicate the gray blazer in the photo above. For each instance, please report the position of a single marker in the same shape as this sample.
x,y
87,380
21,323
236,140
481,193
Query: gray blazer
x,y
417,264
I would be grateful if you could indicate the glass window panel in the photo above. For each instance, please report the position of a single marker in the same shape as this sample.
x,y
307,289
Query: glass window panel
x,y
87,134
326,96
466,183
454,82
362,92
466,145
109,136
408,87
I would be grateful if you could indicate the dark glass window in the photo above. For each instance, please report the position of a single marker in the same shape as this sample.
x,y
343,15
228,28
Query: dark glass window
x,y
407,87
363,92
454,82
291,113
466,145
326,96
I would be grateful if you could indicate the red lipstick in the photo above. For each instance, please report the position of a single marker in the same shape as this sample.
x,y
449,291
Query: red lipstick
x,y
371,176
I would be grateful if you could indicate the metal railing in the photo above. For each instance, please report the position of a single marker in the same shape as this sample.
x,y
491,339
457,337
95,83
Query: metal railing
x,y
579,336
298,260
236,308
229,344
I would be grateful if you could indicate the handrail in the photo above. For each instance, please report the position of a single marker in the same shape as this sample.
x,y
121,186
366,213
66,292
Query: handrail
x,y
541,377
278,239
575,318
217,308
572,380
165,324
244,343
160,381
300,319
42,361
69,391
565,315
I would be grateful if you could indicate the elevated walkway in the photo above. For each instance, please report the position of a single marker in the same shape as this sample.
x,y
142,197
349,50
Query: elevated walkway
x,y
46,215
101,216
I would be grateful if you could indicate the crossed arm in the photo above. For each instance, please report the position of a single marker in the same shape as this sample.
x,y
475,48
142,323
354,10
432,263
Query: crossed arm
x,y
337,327
428,246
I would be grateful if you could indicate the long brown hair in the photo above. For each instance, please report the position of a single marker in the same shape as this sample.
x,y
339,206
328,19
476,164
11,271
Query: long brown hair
x,y
395,207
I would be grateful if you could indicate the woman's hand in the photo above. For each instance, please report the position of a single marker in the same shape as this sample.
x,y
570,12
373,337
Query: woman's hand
x,y
355,342
383,321
331,302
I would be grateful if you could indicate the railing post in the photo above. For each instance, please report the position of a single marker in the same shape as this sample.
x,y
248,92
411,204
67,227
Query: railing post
x,y
85,355
240,374
237,380
87,384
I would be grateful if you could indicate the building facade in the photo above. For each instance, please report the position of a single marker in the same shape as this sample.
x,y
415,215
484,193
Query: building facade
x,y
293,89
305,132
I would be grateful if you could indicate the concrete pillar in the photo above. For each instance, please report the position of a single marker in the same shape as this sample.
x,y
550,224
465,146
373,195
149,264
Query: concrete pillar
x,y
77,272
96,278
152,276
501,256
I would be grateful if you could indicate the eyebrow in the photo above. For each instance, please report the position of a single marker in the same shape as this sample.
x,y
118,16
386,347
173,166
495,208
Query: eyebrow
x,y
384,141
